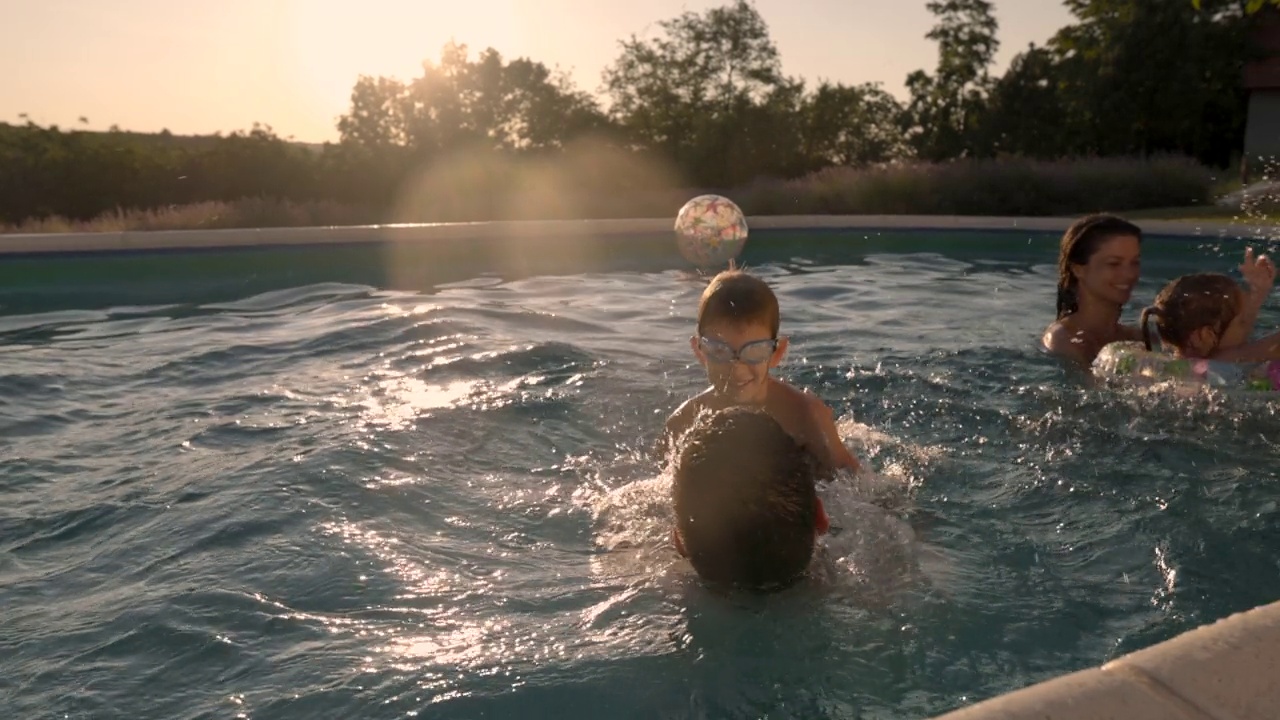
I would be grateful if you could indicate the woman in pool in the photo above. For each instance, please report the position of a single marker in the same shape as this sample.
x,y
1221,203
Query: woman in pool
x,y
1099,262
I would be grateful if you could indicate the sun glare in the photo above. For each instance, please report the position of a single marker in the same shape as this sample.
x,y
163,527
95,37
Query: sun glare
x,y
330,44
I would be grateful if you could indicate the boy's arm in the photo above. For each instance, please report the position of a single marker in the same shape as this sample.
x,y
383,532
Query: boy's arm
x,y
838,456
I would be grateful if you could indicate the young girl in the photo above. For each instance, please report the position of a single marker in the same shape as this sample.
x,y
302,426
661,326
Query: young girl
x,y
1192,315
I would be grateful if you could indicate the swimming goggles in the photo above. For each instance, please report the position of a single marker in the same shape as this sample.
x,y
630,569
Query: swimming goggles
x,y
752,353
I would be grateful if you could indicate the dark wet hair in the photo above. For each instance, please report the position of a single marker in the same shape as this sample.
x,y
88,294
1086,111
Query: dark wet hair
x,y
735,296
745,501
1190,303
1079,243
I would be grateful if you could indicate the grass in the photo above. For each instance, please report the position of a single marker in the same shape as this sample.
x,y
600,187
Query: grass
x,y
1165,188
1209,213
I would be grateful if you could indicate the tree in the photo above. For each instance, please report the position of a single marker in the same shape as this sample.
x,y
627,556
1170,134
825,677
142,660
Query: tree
x,y
486,103
858,125
944,109
522,106
375,119
1027,113
690,92
1149,76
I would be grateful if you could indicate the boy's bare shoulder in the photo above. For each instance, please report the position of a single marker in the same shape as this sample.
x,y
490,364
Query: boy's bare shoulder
x,y
796,399
803,412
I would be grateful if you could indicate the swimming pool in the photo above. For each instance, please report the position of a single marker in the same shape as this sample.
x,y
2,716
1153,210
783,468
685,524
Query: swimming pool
x,y
364,481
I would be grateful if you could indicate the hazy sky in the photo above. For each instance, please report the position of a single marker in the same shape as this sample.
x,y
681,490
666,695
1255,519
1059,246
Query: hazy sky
x,y
194,66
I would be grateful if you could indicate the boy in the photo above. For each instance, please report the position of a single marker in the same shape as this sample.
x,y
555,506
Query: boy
x,y
737,342
747,513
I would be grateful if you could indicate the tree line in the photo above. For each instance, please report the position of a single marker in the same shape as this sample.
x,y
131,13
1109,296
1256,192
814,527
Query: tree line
x,y
706,99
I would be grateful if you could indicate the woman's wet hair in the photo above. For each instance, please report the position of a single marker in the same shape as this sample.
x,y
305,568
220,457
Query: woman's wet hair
x,y
745,501
1190,303
1079,243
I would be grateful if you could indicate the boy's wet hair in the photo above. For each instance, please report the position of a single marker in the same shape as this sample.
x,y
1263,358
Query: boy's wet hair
x,y
738,298
745,502
1190,303
1079,243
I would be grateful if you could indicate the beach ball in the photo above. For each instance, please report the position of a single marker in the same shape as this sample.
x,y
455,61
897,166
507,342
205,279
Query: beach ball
x,y
710,230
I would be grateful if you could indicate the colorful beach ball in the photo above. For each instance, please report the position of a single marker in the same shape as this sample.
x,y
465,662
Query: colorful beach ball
x,y
710,230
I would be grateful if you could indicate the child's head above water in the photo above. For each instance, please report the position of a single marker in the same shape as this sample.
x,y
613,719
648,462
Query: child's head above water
x,y
735,297
737,339
1193,312
747,511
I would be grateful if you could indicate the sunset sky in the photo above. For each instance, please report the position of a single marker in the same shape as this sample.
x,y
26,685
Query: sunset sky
x,y
201,67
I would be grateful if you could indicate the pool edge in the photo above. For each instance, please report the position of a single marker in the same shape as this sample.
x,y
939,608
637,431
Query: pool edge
x,y
1221,671
27,243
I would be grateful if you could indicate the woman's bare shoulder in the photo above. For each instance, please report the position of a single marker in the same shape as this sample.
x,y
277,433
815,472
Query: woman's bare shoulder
x,y
1065,339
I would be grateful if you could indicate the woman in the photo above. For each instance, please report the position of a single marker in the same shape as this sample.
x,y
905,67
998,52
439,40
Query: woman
x,y
1098,266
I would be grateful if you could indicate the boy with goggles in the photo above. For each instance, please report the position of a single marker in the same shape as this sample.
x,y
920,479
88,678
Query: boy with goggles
x,y
737,342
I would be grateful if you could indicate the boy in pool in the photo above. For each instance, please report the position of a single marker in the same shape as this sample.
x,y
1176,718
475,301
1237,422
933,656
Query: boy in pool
x,y
738,343
747,513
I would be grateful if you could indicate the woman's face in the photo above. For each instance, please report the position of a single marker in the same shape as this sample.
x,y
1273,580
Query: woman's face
x,y
1111,273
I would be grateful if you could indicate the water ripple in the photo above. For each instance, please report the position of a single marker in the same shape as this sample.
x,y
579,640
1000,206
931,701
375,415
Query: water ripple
x,y
339,501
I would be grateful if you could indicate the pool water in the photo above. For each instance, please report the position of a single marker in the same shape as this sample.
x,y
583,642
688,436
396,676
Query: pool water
x,y
323,494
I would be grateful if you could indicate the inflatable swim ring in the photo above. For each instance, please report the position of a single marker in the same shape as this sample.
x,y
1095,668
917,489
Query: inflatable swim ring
x,y
1132,359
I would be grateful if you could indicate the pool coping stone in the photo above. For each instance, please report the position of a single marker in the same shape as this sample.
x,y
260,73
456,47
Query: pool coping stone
x,y
1225,670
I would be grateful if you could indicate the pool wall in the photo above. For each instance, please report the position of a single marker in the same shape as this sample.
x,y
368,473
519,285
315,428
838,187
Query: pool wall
x,y
1229,670
565,230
